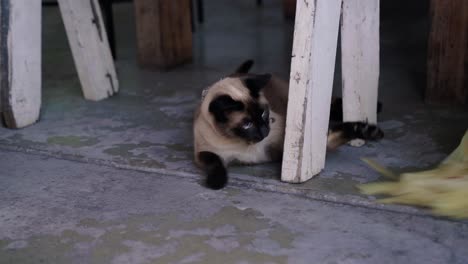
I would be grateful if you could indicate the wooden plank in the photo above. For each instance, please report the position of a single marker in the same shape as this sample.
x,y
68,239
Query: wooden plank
x,y
360,59
447,61
311,80
90,48
164,35
20,61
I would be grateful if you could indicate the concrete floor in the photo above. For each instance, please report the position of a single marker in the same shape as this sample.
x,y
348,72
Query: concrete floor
x,y
113,181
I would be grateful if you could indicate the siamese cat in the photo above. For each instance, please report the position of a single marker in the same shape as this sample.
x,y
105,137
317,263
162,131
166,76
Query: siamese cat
x,y
241,119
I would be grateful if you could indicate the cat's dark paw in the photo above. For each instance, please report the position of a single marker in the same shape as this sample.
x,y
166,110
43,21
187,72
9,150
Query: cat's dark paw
x,y
216,182
216,173
367,131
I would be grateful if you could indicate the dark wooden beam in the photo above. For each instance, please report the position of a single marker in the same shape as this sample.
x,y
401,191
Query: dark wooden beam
x,y
289,9
447,60
164,36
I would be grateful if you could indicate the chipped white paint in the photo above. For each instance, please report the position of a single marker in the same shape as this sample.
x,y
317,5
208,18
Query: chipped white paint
x,y
21,62
311,80
360,59
88,41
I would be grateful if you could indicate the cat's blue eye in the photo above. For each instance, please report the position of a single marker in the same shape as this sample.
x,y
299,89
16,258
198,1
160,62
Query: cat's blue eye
x,y
247,125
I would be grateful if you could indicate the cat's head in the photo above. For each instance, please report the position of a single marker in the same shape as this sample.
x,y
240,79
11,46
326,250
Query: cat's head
x,y
238,108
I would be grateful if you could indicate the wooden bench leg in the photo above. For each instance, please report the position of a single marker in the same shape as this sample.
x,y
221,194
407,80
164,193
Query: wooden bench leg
x,y
311,81
447,61
360,59
90,48
20,61
164,36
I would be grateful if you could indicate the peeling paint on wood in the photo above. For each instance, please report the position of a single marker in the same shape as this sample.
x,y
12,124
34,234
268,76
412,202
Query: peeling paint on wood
x,y
360,59
90,48
20,62
315,41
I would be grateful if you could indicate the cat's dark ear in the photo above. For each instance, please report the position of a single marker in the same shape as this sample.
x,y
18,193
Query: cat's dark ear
x,y
256,82
222,105
244,67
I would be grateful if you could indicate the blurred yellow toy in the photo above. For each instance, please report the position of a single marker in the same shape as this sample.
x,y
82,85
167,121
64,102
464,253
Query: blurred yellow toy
x,y
443,189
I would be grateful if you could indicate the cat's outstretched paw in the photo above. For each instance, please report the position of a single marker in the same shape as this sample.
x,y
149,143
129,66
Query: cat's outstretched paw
x,y
366,131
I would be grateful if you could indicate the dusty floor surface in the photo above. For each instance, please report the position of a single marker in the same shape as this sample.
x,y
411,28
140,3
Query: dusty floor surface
x,y
113,181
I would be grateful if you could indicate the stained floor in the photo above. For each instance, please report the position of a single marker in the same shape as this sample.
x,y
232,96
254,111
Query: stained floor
x,y
113,181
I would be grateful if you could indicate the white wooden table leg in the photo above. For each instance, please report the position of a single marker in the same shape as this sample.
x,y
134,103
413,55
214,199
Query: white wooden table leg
x,y
20,61
360,59
90,47
310,88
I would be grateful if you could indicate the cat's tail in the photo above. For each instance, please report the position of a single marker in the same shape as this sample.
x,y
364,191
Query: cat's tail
x,y
216,173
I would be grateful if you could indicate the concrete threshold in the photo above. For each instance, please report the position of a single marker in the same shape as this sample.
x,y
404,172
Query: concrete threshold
x,y
238,180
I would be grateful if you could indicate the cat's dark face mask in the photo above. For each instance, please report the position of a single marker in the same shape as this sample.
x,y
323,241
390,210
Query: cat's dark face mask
x,y
255,126
248,120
